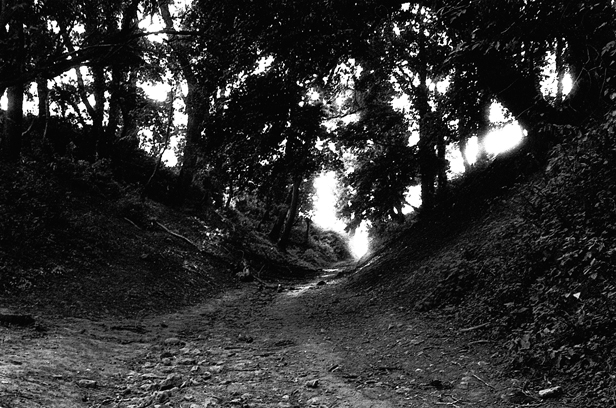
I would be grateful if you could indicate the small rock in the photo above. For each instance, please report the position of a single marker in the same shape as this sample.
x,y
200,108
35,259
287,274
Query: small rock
x,y
246,396
87,383
209,402
312,383
438,384
149,376
185,350
321,283
550,392
314,401
215,369
187,361
162,396
172,380
172,341
206,375
166,361
518,397
464,383
149,387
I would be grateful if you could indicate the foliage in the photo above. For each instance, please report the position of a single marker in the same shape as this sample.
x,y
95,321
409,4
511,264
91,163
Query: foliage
x,y
539,268
569,271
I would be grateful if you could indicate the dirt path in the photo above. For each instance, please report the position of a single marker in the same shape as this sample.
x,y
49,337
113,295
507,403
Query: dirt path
x,y
313,345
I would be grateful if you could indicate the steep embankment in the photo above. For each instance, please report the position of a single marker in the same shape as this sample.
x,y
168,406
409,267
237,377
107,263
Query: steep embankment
x,y
76,242
529,261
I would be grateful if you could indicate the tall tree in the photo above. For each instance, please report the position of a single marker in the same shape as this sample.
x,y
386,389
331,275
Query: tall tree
x,y
12,15
212,47
383,164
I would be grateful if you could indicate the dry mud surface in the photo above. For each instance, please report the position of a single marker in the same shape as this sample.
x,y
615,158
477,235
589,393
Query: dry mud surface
x,y
314,344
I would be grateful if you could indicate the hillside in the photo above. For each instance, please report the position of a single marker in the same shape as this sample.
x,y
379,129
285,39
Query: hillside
x,y
74,241
524,256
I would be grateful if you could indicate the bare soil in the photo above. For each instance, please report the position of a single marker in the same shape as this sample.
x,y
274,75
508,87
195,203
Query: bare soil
x,y
317,343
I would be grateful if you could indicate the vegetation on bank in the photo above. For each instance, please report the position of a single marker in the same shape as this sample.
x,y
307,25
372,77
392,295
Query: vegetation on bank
x,y
526,258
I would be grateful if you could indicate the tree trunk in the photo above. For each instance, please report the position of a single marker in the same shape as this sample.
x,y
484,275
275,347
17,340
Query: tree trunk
x,y
288,226
275,231
229,196
441,154
560,70
484,129
427,158
282,215
10,145
307,236
128,140
98,76
129,135
426,154
266,213
42,91
108,135
11,140
590,33
195,111
192,137
170,115
464,154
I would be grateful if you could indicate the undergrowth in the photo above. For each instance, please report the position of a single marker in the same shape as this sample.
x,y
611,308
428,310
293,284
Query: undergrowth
x,y
543,270
566,277
531,261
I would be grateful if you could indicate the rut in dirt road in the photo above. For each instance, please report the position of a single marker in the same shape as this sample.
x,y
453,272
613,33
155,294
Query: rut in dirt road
x,y
313,345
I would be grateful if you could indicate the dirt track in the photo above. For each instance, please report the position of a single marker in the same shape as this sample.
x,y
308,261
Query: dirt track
x,y
312,345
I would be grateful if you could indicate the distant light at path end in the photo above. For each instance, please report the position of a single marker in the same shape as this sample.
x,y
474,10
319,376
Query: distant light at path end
x,y
325,202
359,243
325,217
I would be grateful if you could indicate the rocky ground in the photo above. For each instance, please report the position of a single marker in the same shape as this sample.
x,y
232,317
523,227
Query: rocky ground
x,y
282,344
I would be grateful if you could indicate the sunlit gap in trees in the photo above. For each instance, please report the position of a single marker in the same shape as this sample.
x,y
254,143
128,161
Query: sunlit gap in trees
x,y
507,133
324,201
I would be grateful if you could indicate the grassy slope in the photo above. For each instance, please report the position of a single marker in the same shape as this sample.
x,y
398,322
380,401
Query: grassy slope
x,y
73,241
530,258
